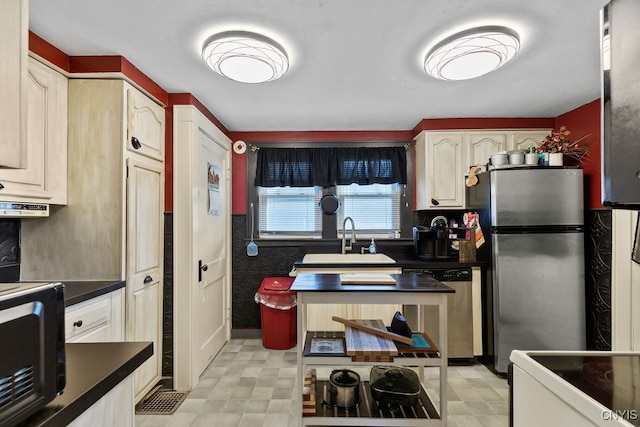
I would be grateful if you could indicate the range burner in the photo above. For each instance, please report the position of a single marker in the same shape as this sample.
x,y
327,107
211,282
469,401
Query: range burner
x,y
612,380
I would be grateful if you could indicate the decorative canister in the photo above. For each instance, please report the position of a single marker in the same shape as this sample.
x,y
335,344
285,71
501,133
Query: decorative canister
x,y
555,159
531,158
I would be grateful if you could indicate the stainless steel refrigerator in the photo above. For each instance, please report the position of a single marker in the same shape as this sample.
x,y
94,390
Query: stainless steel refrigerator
x,y
532,218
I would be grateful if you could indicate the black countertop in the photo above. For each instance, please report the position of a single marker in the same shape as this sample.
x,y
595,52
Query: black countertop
x,y
93,369
76,291
409,282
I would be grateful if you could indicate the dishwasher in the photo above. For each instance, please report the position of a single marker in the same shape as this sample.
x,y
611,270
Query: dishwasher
x,y
459,311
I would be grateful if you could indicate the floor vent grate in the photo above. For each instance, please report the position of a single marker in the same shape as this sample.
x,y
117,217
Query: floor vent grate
x,y
162,402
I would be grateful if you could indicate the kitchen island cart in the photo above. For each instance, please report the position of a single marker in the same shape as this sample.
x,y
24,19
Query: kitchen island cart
x,y
409,289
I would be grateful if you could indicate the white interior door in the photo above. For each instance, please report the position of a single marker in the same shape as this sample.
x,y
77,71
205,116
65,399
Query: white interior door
x,y
210,314
201,243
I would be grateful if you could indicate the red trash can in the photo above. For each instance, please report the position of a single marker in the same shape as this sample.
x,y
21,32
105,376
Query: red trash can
x,y
278,313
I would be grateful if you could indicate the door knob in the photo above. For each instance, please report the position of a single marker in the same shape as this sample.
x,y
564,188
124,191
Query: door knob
x,y
201,267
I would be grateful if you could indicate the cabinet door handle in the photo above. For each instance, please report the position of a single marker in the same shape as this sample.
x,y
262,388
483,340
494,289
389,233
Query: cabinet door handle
x,y
434,202
135,142
148,279
1,186
77,323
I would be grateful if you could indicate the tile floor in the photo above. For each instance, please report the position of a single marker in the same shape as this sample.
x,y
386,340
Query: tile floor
x,y
247,385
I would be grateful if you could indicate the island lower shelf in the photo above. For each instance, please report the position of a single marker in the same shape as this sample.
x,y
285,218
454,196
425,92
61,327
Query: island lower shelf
x,y
329,347
326,414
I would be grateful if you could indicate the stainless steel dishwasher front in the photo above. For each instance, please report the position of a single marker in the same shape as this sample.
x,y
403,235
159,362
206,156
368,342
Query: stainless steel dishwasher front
x,y
459,314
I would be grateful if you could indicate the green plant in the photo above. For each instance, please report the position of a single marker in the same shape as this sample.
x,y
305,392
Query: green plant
x,y
559,142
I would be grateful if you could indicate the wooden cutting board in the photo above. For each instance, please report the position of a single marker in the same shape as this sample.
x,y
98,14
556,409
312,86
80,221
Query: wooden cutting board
x,y
365,347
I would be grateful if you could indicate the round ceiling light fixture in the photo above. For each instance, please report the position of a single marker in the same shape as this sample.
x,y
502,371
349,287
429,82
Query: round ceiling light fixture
x,y
472,53
245,57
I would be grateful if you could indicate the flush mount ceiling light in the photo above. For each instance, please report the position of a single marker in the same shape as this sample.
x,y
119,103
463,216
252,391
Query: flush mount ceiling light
x,y
245,57
472,53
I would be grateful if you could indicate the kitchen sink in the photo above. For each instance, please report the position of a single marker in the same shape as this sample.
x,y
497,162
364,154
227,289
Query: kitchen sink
x,y
346,263
332,258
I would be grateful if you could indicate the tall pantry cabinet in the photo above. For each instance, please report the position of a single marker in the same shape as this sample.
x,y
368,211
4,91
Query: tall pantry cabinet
x,y
112,227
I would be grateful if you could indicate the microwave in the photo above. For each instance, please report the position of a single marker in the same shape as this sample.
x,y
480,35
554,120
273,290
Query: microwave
x,y
32,352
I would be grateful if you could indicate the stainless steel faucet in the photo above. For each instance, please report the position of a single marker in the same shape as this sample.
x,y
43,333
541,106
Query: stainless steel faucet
x,y
352,240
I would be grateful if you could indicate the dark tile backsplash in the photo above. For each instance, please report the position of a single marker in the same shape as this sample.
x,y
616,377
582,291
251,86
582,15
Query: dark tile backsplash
x,y
167,298
598,247
248,273
9,250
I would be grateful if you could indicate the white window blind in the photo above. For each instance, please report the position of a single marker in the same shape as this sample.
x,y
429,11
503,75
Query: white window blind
x,y
375,209
289,211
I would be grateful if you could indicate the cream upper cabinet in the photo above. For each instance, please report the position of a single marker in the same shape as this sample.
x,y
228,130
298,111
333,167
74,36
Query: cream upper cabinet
x,y
145,128
112,227
523,139
443,159
14,45
44,180
482,145
439,170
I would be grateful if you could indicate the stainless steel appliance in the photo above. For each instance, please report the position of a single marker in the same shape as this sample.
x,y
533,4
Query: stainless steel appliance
x,y
32,357
535,285
431,243
620,104
459,311
424,242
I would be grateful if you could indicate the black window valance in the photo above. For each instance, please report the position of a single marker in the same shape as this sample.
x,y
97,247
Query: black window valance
x,y
308,167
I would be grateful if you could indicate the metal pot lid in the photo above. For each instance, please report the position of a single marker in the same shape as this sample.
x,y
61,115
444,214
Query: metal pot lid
x,y
344,378
329,204
396,381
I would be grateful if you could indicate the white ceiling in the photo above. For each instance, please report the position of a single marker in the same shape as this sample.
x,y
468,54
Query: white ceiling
x,y
355,64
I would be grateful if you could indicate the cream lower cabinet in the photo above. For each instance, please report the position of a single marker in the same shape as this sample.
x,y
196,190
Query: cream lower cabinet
x,y
100,319
112,227
115,408
44,179
443,159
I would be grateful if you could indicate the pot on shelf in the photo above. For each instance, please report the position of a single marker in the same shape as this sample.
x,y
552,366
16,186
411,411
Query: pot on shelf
x,y
394,386
344,388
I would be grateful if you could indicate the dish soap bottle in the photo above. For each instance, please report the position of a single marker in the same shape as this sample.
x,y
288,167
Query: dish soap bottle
x,y
372,247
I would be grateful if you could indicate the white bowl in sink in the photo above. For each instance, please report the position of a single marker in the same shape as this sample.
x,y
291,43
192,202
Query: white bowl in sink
x,y
331,258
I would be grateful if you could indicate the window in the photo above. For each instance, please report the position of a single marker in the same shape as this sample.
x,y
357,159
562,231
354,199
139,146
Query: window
x,y
370,181
375,209
289,212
